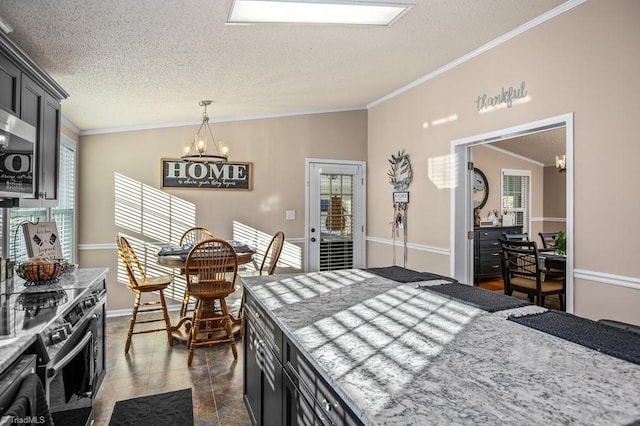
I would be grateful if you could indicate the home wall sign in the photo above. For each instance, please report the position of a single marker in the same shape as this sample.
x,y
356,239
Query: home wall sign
x,y
202,175
506,96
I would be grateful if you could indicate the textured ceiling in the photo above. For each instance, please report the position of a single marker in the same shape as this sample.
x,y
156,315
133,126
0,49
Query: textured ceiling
x,y
134,63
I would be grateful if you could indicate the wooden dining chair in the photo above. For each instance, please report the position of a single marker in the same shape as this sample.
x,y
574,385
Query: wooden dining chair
x,y
192,236
211,269
267,266
272,254
522,272
139,283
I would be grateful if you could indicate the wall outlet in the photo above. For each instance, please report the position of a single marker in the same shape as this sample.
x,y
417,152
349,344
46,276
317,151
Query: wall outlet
x,y
290,215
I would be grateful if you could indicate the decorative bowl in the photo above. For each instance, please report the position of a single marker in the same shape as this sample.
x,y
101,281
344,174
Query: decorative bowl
x,y
41,272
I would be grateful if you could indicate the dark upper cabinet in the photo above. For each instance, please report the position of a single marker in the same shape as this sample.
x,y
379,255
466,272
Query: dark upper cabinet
x,y
10,77
32,95
41,110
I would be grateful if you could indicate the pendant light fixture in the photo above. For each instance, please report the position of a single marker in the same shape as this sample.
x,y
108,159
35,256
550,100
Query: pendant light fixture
x,y
204,142
561,163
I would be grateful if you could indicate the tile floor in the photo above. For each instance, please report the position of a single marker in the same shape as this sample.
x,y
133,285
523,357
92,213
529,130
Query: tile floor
x,y
152,366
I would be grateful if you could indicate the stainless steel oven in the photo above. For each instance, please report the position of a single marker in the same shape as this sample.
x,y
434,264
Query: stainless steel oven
x,y
69,347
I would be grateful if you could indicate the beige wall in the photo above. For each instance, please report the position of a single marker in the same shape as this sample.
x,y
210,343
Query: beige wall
x,y
492,162
277,147
584,61
555,197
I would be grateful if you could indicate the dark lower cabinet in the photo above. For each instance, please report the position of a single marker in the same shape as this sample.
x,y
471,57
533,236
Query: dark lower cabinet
x,y
487,260
281,387
263,374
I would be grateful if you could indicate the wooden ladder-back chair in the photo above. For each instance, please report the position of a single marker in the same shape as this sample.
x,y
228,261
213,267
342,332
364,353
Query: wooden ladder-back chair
x,y
211,269
192,236
522,272
139,283
272,253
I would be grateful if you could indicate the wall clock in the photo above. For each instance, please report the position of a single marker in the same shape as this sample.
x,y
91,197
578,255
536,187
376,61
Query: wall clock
x,y
480,189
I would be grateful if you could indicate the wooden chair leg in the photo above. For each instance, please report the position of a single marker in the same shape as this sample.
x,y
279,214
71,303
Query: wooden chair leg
x,y
185,305
132,321
194,331
165,315
227,326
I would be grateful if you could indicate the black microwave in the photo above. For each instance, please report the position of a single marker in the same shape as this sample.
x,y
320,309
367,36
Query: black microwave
x,y
17,157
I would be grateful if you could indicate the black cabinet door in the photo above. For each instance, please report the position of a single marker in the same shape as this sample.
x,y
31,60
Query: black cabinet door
x,y
263,379
252,374
50,159
10,82
41,110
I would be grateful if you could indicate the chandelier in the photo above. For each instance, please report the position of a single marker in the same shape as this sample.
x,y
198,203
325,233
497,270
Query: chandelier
x,y
198,149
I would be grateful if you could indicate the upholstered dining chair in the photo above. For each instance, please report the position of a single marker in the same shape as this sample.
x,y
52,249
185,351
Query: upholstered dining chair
x,y
139,283
548,239
211,269
192,236
515,237
522,272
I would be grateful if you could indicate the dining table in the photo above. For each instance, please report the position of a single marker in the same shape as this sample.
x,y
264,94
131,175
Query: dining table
x,y
176,257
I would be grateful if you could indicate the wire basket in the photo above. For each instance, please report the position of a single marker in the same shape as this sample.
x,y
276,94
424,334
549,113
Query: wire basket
x,y
40,273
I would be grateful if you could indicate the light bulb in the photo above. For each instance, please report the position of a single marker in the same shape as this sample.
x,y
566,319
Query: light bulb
x,y
225,150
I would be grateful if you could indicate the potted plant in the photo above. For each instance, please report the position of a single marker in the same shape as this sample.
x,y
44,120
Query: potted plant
x,y
560,243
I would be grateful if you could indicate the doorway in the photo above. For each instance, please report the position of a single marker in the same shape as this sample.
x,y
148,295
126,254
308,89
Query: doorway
x,y
335,215
462,243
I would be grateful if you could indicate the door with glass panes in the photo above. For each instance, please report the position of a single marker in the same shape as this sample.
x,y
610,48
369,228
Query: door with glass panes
x,y
335,215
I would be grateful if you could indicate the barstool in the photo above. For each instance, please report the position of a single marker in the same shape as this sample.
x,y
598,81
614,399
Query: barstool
x,y
139,283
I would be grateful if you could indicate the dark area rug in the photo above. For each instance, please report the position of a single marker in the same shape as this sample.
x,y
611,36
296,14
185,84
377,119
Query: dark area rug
x,y
613,341
170,409
486,300
403,275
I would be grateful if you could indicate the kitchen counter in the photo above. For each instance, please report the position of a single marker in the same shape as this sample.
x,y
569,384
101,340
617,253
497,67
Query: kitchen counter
x,y
18,331
397,354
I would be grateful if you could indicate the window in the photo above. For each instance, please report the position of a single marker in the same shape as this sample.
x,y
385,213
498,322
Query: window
x,y
515,196
63,215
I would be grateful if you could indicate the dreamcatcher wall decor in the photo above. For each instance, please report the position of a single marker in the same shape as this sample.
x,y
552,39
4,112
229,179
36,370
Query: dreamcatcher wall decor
x,y
400,177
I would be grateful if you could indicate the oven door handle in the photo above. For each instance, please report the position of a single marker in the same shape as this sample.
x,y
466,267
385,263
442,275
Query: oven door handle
x,y
72,354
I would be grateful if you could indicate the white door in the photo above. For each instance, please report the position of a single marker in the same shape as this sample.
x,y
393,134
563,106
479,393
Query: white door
x,y
335,215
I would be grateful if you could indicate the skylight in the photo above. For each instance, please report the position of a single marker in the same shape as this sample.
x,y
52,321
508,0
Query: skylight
x,y
358,12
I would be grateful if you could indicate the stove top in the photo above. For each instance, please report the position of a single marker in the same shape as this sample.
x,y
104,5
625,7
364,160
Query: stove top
x,y
28,309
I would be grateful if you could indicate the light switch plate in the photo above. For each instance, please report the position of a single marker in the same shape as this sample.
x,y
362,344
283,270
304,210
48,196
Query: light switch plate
x,y
290,215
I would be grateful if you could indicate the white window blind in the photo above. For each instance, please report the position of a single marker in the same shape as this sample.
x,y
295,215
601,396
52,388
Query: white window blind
x,y
515,196
63,215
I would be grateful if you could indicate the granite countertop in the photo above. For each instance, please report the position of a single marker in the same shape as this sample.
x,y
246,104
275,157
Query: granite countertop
x,y
400,355
12,346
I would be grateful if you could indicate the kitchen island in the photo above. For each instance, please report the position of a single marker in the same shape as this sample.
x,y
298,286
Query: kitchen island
x,y
351,347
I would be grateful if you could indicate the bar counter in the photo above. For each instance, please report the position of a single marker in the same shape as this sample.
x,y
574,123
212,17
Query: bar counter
x,y
396,354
